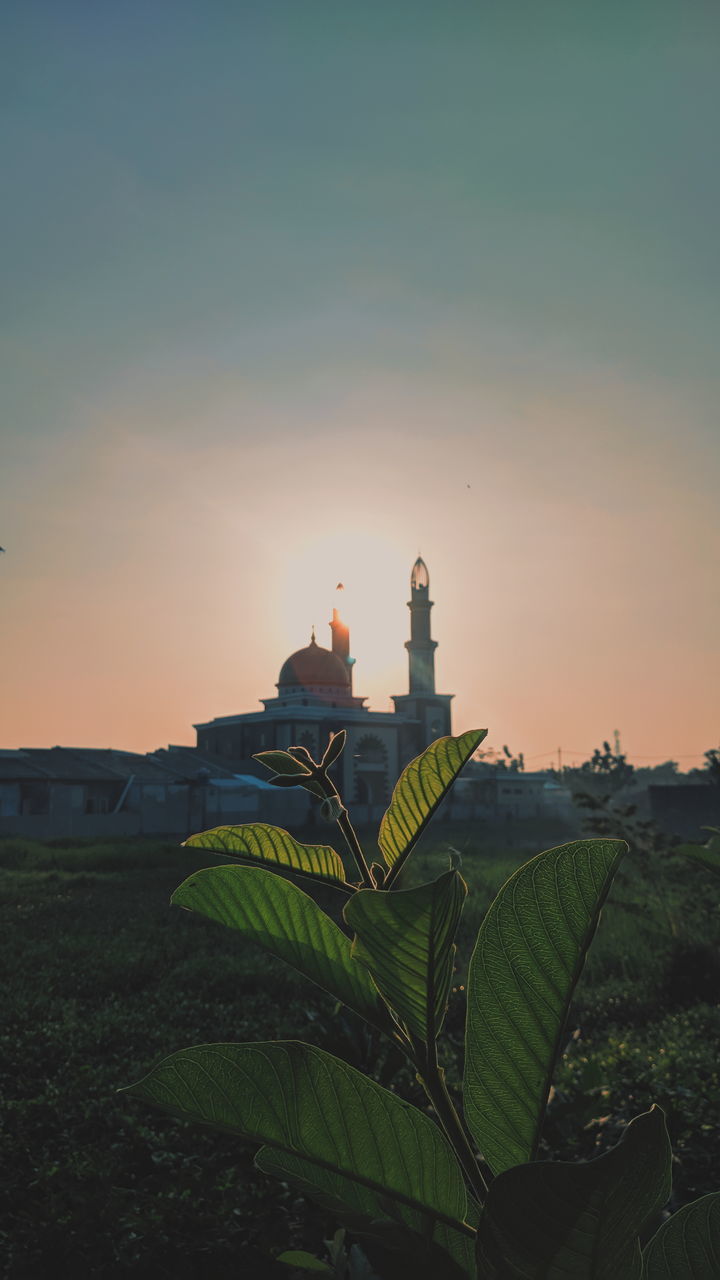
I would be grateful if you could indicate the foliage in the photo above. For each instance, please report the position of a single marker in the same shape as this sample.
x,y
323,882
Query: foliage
x,y
604,1078
97,976
544,919
710,771
708,854
578,1219
599,786
606,772
493,760
100,979
684,1244
414,1190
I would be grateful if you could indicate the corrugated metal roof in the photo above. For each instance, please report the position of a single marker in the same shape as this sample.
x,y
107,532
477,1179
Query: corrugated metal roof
x,y
15,767
94,764
67,764
125,763
186,763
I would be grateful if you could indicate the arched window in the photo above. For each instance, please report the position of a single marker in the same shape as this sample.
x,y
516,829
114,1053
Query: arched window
x,y
371,770
370,750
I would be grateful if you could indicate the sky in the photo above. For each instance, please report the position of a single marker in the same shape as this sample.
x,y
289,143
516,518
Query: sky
x,y
294,290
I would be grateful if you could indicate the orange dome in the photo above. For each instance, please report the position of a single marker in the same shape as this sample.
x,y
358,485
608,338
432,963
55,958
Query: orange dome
x,y
312,667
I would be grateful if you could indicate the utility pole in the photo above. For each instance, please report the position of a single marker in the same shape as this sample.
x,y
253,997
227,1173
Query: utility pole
x,y
559,759
616,736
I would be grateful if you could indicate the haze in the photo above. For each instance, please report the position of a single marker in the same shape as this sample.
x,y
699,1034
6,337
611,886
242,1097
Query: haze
x,y
293,291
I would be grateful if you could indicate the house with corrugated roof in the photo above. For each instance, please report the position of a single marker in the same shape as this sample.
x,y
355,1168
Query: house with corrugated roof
x,y
96,793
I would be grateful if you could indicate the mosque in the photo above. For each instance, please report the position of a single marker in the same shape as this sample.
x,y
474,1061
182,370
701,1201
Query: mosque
x,y
315,698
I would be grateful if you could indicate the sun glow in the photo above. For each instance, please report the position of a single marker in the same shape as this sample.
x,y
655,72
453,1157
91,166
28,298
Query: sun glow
x,y
374,575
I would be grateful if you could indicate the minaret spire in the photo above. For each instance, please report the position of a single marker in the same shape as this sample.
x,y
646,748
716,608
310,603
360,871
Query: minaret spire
x,y
427,712
421,647
341,642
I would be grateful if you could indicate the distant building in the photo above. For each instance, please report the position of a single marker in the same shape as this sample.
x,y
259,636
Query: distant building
x,y
315,698
498,795
92,793
686,810
89,792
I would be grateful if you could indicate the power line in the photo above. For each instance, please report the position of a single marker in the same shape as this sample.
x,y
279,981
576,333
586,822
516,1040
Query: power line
x,y
572,751
688,755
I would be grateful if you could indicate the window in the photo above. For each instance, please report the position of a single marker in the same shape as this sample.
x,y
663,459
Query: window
x,y
97,804
370,761
370,750
34,797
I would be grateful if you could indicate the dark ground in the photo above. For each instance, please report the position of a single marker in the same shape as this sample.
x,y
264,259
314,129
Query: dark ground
x,y
103,979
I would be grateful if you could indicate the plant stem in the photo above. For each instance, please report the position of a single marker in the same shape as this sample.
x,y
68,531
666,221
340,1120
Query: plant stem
x,y
398,866
432,1078
353,845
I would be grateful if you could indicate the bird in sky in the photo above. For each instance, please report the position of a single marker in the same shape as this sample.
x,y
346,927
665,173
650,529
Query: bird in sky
x,y
2,548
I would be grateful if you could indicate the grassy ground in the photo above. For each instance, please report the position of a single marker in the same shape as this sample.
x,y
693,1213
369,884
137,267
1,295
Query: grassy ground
x,y
102,979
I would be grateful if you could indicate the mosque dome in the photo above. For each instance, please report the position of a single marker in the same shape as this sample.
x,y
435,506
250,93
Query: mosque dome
x,y
314,667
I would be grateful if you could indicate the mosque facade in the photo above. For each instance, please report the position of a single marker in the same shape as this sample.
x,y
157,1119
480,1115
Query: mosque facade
x,y
315,698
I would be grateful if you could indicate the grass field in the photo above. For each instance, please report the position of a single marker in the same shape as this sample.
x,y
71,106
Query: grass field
x,y
102,979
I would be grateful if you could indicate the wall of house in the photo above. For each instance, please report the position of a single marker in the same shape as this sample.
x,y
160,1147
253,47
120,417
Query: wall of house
x,y
685,810
176,811
9,799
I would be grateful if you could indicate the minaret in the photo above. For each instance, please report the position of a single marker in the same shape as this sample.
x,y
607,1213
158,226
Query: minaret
x,y
426,714
421,647
341,642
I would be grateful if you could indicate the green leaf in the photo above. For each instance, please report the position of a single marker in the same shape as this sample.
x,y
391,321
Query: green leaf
x,y
451,1254
406,940
289,772
687,1246
363,1144
708,854
281,762
304,1261
527,960
577,1221
707,857
334,748
272,847
299,780
418,792
282,919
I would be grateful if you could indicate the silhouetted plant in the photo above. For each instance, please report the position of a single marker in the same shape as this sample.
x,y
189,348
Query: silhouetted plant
x,y
417,1192
596,786
708,854
710,771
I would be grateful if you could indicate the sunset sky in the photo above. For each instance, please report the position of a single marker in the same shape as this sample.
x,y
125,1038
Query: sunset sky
x,y
294,289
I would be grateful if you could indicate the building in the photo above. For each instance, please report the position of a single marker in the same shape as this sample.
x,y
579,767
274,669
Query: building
x,y
93,792
499,795
315,698
686,810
